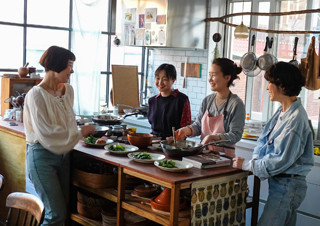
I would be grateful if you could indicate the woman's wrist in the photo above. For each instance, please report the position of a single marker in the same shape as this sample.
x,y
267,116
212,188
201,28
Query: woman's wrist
x,y
189,131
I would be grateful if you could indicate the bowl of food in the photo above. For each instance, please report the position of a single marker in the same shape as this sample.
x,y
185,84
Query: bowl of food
x,y
180,148
100,131
141,140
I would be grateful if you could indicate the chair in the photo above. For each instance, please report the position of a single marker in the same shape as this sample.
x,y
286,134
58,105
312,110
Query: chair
x,y
24,209
1,182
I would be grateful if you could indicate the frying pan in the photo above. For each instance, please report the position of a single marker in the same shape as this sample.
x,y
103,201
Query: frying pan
x,y
294,60
267,59
248,60
185,147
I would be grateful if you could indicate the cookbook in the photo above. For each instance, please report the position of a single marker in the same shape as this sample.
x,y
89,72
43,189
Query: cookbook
x,y
208,160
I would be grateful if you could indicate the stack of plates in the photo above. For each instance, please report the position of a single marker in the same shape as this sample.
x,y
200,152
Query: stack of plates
x,y
109,218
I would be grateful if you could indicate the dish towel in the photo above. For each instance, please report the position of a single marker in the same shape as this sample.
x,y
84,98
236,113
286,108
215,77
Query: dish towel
x,y
219,201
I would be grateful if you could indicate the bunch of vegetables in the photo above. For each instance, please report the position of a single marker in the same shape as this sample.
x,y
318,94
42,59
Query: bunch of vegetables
x,y
142,155
91,139
116,147
167,163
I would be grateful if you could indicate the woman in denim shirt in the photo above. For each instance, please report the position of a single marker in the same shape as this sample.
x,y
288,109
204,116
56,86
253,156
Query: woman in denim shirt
x,y
284,153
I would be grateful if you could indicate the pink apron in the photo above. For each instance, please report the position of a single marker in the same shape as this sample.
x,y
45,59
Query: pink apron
x,y
214,125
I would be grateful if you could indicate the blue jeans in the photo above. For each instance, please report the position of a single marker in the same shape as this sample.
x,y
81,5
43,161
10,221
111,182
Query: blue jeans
x,y
49,173
285,196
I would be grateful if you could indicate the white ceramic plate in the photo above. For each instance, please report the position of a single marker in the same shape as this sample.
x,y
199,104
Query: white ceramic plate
x,y
128,149
181,166
154,157
108,141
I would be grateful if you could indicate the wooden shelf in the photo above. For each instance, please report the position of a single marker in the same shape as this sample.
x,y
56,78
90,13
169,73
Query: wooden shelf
x,y
85,221
147,212
107,193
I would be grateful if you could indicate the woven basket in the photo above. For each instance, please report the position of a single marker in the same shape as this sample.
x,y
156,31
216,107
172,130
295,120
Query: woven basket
x,y
89,211
94,180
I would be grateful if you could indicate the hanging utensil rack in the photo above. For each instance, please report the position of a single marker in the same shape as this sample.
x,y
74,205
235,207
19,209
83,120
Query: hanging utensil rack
x,y
222,20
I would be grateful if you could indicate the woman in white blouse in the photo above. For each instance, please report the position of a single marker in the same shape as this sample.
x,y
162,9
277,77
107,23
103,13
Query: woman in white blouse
x,y
51,132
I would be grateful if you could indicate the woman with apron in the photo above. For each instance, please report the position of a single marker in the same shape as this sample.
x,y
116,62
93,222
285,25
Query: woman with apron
x,y
222,114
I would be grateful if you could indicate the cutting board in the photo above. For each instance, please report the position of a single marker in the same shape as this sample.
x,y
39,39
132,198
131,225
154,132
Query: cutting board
x,y
193,70
125,86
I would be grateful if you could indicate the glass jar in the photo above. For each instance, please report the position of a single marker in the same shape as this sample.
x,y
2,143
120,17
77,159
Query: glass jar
x,y
117,130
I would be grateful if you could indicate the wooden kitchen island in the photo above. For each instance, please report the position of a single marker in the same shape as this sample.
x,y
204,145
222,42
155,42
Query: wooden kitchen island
x,y
12,161
148,172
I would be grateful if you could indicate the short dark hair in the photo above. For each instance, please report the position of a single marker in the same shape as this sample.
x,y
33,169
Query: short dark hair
x,y
228,67
169,69
286,76
56,58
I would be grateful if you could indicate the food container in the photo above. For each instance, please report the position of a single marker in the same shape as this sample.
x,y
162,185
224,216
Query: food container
x,y
94,180
145,191
182,148
162,201
141,140
91,212
100,131
117,130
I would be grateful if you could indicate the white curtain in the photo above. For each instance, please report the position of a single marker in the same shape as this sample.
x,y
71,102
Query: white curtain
x,y
87,20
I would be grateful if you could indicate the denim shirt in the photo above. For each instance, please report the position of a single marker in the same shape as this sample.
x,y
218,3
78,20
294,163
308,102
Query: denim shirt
x,y
289,150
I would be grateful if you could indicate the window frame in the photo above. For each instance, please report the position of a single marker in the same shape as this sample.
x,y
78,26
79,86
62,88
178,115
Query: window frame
x,y
275,5
110,31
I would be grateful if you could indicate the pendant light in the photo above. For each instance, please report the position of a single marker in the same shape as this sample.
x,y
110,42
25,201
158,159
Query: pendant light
x,y
241,30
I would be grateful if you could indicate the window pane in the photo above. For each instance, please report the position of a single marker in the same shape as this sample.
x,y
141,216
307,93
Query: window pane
x,y
47,12
259,83
11,47
239,47
11,11
38,40
103,52
126,55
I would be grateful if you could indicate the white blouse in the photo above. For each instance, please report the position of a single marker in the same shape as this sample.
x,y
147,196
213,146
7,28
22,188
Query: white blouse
x,y
50,120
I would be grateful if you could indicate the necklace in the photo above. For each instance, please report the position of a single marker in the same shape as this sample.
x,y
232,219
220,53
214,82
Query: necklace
x,y
221,100
49,88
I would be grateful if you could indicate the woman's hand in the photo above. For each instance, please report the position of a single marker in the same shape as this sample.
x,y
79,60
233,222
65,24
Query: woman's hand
x,y
237,162
209,138
182,133
87,130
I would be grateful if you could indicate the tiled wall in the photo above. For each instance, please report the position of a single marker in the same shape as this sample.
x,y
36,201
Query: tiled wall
x,y
195,87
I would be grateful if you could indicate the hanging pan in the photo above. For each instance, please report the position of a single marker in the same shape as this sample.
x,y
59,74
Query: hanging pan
x,y
267,59
294,60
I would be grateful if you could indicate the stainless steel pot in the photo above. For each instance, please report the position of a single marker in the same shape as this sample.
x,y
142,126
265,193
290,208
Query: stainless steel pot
x,y
182,148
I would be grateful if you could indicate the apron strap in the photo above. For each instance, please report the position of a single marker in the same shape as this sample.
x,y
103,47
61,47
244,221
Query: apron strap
x,y
225,107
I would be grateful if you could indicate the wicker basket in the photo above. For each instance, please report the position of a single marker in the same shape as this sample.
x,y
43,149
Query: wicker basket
x,y
89,211
94,180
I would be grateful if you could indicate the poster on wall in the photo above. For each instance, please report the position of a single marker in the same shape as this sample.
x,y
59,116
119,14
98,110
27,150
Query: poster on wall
x,y
161,19
147,38
154,37
141,21
139,37
162,36
130,15
151,15
143,26
129,32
